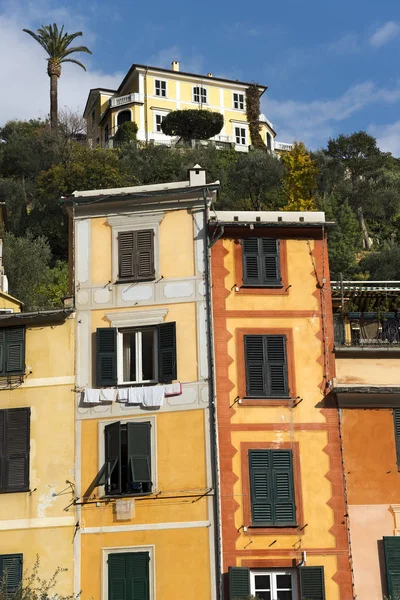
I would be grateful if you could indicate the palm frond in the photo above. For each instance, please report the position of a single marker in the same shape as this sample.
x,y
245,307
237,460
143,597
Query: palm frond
x,y
76,62
40,40
56,41
76,49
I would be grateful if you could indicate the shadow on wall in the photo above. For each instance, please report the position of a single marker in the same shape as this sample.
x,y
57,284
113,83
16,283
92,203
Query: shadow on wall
x,y
382,568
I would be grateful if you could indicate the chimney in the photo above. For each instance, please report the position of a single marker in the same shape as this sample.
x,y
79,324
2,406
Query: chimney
x,y
175,65
197,176
209,74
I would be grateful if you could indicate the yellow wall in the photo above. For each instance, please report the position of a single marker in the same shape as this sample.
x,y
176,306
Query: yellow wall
x,y
7,301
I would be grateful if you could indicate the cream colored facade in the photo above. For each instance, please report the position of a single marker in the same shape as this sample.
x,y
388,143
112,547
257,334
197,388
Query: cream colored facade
x,y
148,94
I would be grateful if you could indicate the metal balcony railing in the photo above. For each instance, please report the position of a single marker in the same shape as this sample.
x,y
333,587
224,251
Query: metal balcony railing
x,y
367,330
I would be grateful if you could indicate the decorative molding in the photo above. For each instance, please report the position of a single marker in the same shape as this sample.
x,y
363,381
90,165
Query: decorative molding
x,y
147,527
136,220
395,508
137,318
36,523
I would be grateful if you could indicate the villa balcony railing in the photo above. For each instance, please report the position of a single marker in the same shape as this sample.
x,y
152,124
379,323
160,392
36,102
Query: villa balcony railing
x,y
368,330
127,99
283,146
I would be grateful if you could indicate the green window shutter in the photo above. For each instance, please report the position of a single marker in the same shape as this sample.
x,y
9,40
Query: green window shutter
x,y
261,492
239,583
166,333
2,351
252,266
3,450
271,274
14,350
283,488
11,568
139,452
277,366
391,545
126,255
128,576
113,464
117,577
312,583
106,357
15,424
261,262
254,352
145,254
396,419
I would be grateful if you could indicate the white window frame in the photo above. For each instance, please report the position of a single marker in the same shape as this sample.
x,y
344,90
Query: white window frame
x,y
238,101
153,449
161,81
273,574
242,136
162,115
201,94
138,353
122,550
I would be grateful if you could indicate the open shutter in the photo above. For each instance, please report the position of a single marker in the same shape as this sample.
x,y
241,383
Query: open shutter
x,y
391,545
270,261
3,449
260,487
254,362
277,365
2,351
17,443
251,262
283,487
396,419
117,577
113,466
145,254
239,583
138,575
11,568
312,584
166,352
126,254
15,350
106,357
139,452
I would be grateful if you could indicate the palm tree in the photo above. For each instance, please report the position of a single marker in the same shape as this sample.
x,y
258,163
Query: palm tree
x,y
56,43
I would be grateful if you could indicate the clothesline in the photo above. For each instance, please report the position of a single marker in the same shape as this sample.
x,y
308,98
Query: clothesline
x,y
148,396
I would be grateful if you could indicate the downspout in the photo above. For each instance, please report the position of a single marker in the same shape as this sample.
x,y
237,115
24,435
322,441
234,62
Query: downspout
x,y
146,132
212,406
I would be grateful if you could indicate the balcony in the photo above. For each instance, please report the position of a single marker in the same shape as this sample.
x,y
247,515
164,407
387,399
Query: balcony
x,y
127,99
367,330
283,146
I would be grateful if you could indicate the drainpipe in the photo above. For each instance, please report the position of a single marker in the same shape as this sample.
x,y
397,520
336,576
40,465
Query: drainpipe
x,y
146,128
212,407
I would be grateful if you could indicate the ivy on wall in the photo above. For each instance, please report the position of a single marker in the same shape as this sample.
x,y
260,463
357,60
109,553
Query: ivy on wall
x,y
253,116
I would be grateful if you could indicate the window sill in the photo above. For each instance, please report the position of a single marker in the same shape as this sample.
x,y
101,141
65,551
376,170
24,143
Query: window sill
x,y
250,401
121,281
273,530
118,496
274,286
24,491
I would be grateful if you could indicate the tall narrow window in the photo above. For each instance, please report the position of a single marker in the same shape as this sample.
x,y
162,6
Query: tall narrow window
x,y
396,419
12,350
14,449
272,488
128,576
266,366
158,120
240,136
238,101
136,255
200,95
312,583
261,262
106,133
160,88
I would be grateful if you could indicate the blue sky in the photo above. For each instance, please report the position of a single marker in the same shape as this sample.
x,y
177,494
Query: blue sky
x,y
330,67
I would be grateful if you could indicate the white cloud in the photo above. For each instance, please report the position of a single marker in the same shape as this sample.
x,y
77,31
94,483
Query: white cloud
x,y
347,44
315,121
25,84
387,136
384,34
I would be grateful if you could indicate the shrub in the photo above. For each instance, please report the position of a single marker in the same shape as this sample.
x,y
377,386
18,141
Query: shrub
x,y
193,124
126,133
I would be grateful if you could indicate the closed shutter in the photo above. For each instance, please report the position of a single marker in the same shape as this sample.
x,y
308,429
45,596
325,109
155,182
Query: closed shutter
x,y
2,351
3,450
106,356
15,350
11,569
312,584
128,576
126,254
166,333
266,366
396,419
277,365
256,383
14,449
391,545
261,262
136,254
113,463
145,254
139,452
239,583
272,488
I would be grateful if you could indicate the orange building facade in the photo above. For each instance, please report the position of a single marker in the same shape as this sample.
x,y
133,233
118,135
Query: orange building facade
x,y
283,523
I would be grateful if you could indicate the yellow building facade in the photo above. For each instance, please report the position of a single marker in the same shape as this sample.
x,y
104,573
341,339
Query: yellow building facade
x,y
143,468
36,443
281,486
147,94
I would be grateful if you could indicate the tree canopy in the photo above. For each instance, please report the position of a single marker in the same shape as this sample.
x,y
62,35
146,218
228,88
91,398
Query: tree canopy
x,y
193,124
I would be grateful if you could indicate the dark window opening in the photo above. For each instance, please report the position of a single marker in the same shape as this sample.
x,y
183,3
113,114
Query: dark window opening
x,y
123,117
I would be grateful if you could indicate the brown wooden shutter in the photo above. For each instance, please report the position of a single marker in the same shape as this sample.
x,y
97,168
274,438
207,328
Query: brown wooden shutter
x,y
145,254
126,254
136,255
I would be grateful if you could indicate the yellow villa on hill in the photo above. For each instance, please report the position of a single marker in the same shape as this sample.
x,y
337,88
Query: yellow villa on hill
x,y
147,94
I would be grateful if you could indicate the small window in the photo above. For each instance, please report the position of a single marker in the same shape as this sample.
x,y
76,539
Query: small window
x,y
272,488
261,262
266,366
158,120
128,572
200,95
14,449
106,133
273,584
136,255
93,118
161,88
12,351
11,567
127,459
238,101
240,136
139,352
269,141
396,419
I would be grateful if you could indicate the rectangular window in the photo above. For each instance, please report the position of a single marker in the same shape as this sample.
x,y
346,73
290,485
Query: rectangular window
x,y
396,419
127,460
106,133
93,118
272,488
11,567
161,88
136,255
14,449
268,585
136,355
391,546
12,351
238,101
261,262
128,576
158,120
266,366
240,136
200,95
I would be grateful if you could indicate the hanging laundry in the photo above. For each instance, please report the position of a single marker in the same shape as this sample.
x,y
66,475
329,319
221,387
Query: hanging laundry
x,y
123,394
91,396
153,396
173,389
135,395
107,394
